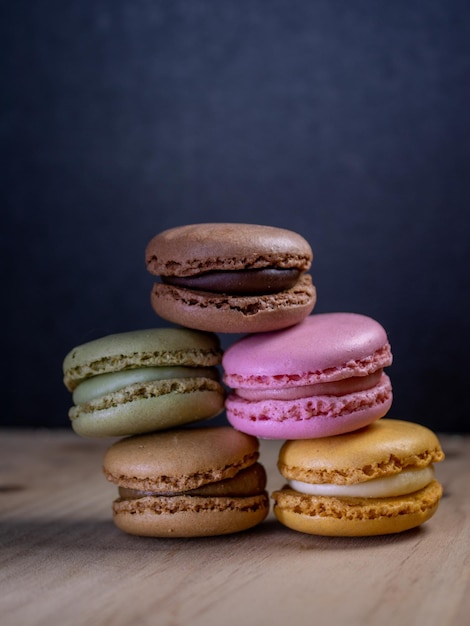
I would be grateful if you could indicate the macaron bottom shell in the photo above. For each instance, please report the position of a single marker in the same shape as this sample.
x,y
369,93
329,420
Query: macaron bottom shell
x,y
124,415
189,516
221,313
309,418
355,517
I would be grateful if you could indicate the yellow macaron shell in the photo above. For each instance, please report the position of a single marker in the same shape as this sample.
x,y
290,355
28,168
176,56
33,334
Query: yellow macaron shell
x,y
384,448
356,517
377,480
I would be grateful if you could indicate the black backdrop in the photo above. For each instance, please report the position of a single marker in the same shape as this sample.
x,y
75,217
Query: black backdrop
x,y
345,121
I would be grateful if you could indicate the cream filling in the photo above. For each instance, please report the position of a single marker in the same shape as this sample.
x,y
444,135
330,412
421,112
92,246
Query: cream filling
x,y
335,388
400,484
100,385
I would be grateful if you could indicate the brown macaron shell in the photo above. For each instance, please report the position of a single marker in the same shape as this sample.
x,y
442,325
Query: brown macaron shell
x,y
201,249
382,449
234,314
165,468
197,248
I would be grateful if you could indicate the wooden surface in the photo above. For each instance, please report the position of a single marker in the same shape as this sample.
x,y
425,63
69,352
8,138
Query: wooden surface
x,y
62,561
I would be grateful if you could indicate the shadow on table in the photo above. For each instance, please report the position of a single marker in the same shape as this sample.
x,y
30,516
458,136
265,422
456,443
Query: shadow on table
x,y
96,536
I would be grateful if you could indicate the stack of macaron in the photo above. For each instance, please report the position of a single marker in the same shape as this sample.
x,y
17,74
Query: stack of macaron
x,y
146,387
315,381
321,386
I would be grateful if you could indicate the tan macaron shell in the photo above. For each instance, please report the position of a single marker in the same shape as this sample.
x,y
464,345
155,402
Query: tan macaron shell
x,y
189,516
382,449
178,461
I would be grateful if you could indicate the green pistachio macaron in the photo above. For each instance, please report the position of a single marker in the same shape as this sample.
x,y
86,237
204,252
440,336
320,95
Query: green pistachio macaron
x,y
142,381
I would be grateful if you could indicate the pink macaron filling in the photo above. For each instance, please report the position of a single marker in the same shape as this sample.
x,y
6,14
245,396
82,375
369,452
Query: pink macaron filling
x,y
311,406
335,388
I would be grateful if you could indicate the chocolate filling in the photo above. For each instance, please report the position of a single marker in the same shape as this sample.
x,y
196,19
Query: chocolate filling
x,y
238,282
250,481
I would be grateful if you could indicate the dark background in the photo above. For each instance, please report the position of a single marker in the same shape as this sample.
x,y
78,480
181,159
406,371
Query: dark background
x,y
345,121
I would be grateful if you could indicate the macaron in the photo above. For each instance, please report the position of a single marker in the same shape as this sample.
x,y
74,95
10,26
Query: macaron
x,y
319,378
231,278
374,481
144,380
187,483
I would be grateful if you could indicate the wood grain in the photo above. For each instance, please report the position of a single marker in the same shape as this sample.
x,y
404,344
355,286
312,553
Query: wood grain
x,y
63,561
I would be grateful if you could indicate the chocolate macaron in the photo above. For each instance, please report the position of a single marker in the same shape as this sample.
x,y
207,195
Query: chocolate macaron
x,y
231,278
374,481
144,380
187,483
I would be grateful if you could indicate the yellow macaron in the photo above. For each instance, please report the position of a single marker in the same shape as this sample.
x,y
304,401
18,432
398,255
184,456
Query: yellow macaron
x,y
373,481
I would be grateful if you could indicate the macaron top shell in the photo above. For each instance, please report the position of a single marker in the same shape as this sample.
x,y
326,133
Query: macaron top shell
x,y
197,248
179,460
324,347
384,448
141,348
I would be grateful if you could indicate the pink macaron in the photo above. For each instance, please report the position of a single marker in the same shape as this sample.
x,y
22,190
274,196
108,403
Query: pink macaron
x,y
319,378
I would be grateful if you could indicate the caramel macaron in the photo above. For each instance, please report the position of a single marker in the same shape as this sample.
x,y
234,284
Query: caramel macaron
x,y
373,481
231,278
144,380
191,482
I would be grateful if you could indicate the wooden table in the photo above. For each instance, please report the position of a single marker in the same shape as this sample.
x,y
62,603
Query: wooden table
x,y
64,562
